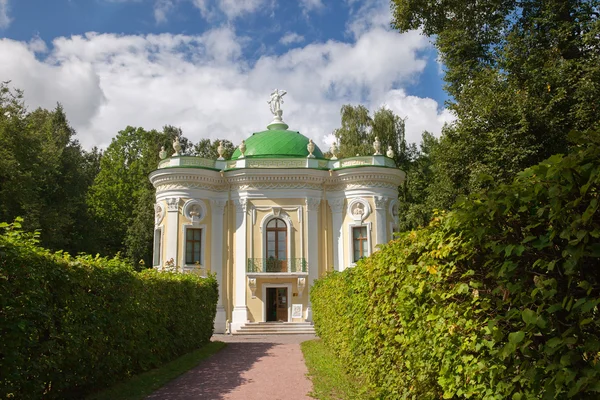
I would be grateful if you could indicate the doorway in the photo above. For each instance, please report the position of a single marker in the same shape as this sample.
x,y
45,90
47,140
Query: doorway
x,y
277,304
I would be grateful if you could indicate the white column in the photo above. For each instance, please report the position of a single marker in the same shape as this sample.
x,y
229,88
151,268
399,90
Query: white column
x,y
172,230
216,259
337,218
240,310
380,220
312,256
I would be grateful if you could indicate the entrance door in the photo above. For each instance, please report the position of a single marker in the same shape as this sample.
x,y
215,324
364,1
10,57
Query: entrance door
x,y
277,307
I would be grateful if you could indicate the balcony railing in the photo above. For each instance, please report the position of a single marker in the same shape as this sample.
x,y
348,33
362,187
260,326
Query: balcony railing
x,y
273,265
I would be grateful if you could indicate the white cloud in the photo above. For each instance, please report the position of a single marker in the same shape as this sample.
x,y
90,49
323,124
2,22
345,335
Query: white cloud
x,y
232,9
310,5
5,19
291,37
370,15
161,9
204,85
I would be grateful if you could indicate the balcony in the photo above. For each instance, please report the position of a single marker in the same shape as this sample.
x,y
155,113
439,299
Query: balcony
x,y
275,266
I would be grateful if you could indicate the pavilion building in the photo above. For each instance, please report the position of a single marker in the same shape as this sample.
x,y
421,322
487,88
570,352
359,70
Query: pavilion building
x,y
272,219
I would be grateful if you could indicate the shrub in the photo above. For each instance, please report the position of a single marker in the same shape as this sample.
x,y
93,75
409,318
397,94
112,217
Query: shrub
x,y
70,325
496,299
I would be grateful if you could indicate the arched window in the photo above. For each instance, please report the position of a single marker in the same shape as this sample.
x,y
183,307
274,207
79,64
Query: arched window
x,y
276,245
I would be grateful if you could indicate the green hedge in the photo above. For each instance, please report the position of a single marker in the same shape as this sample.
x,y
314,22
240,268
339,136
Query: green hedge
x,y
69,326
497,299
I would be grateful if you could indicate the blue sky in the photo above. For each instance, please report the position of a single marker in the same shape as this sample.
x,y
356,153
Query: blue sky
x,y
209,65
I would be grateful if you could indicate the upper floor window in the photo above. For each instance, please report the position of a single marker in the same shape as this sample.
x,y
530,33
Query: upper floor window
x,y
193,246
277,239
360,243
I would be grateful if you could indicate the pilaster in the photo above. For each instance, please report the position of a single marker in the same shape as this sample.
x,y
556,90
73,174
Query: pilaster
x,y
216,262
312,221
380,220
240,310
172,230
337,218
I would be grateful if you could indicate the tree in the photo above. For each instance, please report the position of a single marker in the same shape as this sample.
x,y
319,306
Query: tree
x,y
44,173
207,149
521,76
358,131
414,210
121,197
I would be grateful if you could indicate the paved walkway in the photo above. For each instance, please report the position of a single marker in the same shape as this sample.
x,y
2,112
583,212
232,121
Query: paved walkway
x,y
249,368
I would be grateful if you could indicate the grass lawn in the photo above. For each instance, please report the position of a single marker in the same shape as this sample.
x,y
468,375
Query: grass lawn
x,y
142,385
330,381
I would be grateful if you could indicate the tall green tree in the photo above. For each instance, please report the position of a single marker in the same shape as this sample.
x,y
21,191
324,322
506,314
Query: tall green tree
x,y
44,173
414,208
359,129
121,197
521,75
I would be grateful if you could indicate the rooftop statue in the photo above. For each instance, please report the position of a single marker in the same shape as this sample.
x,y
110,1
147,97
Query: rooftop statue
x,y
276,101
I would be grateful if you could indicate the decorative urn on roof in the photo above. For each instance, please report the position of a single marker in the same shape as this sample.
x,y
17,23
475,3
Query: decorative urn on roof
x,y
220,150
176,147
242,148
162,154
377,146
334,150
310,147
390,152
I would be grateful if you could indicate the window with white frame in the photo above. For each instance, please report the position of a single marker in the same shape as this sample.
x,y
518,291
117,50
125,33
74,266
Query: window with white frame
x,y
360,243
157,246
193,246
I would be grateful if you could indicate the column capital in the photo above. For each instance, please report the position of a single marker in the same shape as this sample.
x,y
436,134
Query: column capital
x,y
218,206
380,202
337,205
173,204
313,203
241,205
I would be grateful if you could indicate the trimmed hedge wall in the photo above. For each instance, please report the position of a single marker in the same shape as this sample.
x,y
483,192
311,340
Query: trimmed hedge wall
x,y
69,326
497,299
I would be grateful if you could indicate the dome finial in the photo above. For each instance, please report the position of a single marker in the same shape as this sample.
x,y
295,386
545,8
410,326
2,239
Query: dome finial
x,y
275,106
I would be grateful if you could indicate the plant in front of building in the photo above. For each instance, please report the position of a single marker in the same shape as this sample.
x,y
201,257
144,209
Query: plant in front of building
x,y
496,299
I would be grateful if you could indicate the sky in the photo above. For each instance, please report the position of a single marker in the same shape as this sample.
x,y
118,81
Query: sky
x,y
209,66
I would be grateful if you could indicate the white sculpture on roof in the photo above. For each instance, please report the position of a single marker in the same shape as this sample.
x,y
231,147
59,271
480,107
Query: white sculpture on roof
x,y
276,101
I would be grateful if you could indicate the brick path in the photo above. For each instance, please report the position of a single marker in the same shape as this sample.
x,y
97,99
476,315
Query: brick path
x,y
249,368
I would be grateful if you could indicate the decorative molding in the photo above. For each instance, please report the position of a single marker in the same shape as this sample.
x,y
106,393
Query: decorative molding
x,y
359,209
218,206
283,163
159,213
173,204
393,208
380,202
252,285
301,285
337,205
194,210
313,203
266,186
241,205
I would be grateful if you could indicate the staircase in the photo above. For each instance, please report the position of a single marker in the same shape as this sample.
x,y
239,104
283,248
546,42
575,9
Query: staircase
x,y
276,328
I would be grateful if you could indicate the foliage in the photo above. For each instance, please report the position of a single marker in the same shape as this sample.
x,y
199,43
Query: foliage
x,y
359,129
121,196
327,374
207,149
496,299
45,174
520,75
413,207
71,325
144,384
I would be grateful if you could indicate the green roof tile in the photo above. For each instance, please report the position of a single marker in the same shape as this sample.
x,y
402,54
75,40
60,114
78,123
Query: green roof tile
x,y
276,143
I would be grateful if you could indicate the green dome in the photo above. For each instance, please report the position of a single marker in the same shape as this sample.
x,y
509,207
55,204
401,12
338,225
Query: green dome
x,y
275,143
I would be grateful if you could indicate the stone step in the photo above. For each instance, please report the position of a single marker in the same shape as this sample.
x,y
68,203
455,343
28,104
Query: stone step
x,y
277,328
